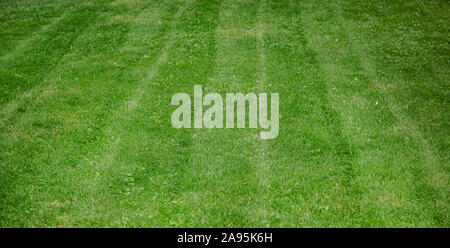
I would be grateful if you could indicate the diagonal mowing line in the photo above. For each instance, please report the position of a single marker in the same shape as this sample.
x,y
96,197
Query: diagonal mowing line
x,y
406,124
22,44
218,174
109,148
9,109
127,104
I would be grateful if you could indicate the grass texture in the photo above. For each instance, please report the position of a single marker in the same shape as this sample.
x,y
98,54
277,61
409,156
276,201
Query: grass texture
x,y
86,138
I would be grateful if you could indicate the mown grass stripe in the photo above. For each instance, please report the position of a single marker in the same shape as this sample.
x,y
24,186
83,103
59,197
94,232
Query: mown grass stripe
x,y
21,45
221,158
16,106
19,24
24,72
358,93
140,181
168,180
411,75
263,171
311,155
100,168
429,176
19,110
67,151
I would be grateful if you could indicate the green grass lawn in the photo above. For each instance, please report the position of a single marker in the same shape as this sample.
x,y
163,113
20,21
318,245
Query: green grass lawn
x,y
86,138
